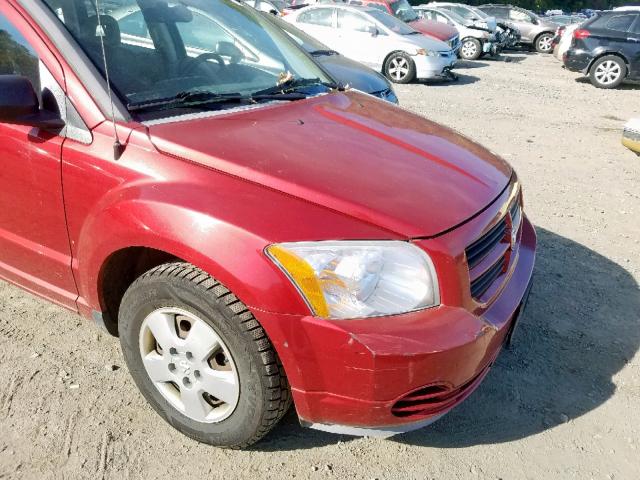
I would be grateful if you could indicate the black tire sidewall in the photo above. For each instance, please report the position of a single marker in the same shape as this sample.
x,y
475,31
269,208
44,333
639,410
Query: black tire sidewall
x,y
592,71
246,419
412,68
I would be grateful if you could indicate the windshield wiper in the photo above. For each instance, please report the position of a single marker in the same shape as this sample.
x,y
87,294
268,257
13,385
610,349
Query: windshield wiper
x,y
320,53
294,85
189,99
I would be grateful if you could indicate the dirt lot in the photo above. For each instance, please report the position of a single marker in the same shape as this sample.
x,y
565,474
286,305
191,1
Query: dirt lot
x,y
563,404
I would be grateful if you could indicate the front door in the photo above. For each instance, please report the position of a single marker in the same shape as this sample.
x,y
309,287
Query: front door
x,y
34,244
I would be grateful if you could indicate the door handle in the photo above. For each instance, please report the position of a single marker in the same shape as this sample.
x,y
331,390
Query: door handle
x,y
631,39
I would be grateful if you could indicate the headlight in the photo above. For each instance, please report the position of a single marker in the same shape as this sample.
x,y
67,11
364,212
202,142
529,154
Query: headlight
x,y
356,279
428,53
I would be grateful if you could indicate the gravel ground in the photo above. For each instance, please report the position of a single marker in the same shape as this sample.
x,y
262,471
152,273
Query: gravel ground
x,y
563,403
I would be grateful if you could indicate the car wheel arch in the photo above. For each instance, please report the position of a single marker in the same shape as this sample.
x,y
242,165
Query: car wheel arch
x,y
144,244
605,53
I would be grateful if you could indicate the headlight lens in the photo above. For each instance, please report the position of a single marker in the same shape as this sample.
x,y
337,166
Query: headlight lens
x,y
428,53
349,279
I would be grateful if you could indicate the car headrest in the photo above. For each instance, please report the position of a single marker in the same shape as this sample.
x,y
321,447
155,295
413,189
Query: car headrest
x,y
110,30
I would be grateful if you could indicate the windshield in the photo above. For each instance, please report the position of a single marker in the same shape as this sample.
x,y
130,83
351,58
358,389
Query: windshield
x,y
392,23
478,13
157,50
456,18
403,10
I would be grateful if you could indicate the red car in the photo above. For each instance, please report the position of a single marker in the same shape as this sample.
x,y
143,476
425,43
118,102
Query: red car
x,y
255,235
405,12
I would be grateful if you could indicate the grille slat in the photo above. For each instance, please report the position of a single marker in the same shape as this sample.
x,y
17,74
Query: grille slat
x,y
484,281
481,247
492,243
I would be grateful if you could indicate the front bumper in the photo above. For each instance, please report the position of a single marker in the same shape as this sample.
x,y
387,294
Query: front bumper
x,y
349,376
434,67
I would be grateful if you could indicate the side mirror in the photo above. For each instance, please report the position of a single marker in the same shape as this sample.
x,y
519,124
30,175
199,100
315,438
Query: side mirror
x,y
230,50
373,30
19,105
535,21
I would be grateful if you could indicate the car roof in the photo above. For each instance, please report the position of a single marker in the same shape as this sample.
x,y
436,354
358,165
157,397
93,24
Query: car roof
x,y
341,6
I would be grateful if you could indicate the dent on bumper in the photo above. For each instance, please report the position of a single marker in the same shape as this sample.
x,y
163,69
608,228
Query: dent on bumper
x,y
346,376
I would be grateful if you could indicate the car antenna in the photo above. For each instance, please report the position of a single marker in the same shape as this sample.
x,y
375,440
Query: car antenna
x,y
118,148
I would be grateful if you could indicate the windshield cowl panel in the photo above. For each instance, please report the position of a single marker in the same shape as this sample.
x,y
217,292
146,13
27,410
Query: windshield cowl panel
x,y
160,53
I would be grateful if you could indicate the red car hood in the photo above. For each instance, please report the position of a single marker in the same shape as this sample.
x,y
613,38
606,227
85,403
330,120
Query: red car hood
x,y
349,152
438,30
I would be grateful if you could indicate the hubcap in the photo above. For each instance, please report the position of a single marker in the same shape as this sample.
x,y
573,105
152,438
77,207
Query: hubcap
x,y
469,49
545,43
608,72
189,364
399,68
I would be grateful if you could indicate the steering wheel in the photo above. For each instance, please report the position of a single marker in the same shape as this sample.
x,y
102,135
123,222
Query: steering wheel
x,y
189,64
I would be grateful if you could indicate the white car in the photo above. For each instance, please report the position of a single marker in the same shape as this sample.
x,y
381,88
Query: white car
x,y
565,40
378,40
631,135
474,41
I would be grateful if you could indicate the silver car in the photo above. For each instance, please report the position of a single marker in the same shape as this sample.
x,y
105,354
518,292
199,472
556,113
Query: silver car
x,y
534,30
378,40
474,41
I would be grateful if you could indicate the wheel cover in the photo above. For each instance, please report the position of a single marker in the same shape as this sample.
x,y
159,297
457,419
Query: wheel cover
x,y
399,68
608,72
469,49
189,365
545,43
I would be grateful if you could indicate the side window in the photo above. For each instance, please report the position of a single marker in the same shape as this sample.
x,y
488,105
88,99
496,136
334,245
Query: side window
x,y
318,16
442,19
519,16
636,28
352,21
17,57
620,23
500,13
134,25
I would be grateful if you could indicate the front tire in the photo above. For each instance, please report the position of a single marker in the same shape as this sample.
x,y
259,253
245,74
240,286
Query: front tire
x,y
200,358
471,49
544,43
400,68
608,72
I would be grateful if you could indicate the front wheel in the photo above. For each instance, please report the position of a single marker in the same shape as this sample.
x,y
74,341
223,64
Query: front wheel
x,y
608,72
400,68
471,49
200,358
544,43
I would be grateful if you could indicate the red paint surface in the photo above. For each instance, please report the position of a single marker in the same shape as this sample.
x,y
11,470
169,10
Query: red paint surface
x,y
216,191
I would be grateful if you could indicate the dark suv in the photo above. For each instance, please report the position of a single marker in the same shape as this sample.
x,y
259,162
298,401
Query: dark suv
x,y
607,48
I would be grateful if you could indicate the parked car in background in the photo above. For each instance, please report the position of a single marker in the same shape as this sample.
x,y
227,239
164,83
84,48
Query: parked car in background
x,y
344,70
562,40
469,13
255,235
631,135
606,48
274,7
474,41
534,30
378,40
402,10
564,19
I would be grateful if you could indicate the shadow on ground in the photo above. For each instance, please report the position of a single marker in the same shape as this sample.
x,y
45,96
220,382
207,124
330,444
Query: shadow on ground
x,y
579,329
626,85
445,82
